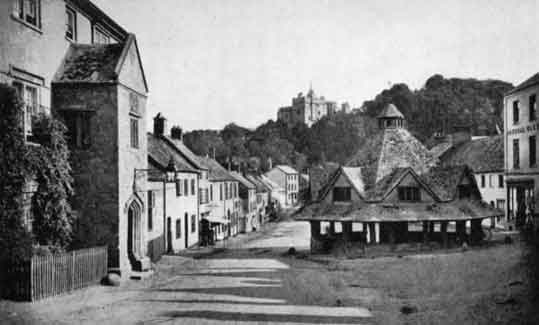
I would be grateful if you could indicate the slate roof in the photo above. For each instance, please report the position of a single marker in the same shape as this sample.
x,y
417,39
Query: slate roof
x,y
444,181
191,157
390,111
390,149
378,191
216,172
481,155
270,184
533,80
90,63
160,152
286,169
438,150
243,181
260,187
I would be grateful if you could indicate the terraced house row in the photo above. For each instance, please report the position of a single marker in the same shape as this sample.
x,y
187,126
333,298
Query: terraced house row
x,y
140,193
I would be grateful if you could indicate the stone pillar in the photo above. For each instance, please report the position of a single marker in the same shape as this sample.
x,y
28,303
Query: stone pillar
x,y
443,230
377,232
476,234
461,231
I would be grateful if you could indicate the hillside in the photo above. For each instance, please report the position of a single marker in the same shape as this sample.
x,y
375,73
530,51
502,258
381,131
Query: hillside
x,y
439,106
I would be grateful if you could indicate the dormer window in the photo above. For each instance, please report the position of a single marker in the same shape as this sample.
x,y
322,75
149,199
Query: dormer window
x,y
409,193
342,194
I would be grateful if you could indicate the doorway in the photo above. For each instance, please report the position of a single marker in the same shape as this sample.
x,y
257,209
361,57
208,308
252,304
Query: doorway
x,y
169,234
133,233
186,226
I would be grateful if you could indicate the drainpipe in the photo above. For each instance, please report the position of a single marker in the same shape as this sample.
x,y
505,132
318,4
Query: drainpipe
x,y
165,213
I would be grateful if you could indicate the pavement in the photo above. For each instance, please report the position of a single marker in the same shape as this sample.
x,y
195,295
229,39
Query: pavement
x,y
216,290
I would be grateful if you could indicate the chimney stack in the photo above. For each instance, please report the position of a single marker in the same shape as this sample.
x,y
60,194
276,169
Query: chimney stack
x,y
159,125
176,133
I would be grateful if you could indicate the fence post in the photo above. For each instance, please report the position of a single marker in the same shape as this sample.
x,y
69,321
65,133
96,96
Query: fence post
x,y
73,271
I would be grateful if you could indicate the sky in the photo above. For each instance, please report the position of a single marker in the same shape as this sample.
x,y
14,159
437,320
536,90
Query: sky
x,y
212,62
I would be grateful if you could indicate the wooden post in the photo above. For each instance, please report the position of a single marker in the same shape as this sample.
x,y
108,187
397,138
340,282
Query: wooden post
x,y
332,227
377,232
426,232
476,231
391,232
443,230
347,231
367,230
315,235
461,231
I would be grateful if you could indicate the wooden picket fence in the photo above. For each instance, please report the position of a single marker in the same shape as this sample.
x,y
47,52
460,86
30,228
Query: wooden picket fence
x,y
52,275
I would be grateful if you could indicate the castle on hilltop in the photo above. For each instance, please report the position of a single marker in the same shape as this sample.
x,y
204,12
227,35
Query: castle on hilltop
x,y
308,109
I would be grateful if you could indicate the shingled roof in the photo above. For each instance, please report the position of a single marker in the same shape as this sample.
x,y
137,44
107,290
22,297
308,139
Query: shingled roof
x,y
481,155
390,111
390,149
444,181
533,80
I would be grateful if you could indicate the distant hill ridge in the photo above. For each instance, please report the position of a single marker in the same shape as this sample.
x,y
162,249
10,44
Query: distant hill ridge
x,y
441,105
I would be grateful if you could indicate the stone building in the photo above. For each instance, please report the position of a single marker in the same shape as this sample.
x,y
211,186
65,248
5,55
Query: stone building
x,y
34,38
520,141
306,109
100,92
287,178
391,191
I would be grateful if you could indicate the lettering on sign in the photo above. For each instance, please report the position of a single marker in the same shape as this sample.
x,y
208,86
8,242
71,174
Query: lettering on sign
x,y
524,129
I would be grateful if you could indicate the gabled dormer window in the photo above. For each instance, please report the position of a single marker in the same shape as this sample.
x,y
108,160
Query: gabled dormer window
x,y
409,193
342,194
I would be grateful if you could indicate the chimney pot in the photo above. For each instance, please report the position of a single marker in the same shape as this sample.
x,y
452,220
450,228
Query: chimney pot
x,y
159,125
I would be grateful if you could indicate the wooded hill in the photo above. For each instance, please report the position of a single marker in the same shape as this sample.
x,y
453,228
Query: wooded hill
x,y
439,106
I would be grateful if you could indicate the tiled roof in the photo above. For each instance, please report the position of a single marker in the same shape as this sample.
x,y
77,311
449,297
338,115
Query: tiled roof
x,y
160,151
243,181
481,155
286,169
527,83
390,149
444,181
390,111
216,172
90,63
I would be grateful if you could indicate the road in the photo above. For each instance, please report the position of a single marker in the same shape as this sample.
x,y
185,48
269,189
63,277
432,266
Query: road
x,y
221,289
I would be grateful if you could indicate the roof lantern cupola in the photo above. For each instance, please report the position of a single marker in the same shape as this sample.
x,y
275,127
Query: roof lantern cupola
x,y
390,118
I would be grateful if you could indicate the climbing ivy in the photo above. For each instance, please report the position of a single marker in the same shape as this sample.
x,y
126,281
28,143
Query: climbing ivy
x,y
43,163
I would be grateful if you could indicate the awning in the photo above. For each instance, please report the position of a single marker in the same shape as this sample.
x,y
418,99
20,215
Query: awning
x,y
214,219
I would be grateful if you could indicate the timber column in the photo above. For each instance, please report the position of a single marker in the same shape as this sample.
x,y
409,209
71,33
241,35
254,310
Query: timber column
x,y
443,230
316,243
